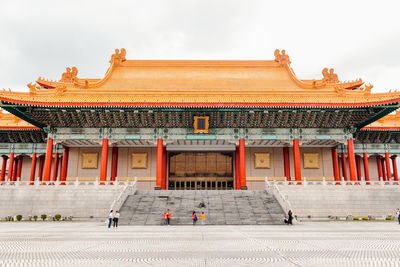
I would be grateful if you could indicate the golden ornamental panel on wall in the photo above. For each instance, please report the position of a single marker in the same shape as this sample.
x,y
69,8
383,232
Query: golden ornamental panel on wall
x,y
311,160
200,124
139,161
89,160
262,161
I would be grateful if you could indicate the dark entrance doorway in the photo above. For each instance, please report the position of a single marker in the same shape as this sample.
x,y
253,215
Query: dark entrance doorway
x,y
200,171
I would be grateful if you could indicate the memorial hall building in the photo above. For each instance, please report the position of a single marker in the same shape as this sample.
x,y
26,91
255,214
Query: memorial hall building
x,y
199,125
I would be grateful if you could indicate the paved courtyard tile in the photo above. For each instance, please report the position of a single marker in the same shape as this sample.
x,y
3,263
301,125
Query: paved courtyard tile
x,y
306,244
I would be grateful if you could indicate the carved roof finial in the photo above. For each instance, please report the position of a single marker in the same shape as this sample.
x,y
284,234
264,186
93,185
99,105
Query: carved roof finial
x,y
118,57
329,76
282,58
70,75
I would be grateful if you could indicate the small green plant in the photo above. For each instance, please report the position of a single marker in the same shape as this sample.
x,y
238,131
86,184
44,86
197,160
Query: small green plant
x,y
35,217
365,218
19,217
57,217
356,219
388,218
43,216
10,218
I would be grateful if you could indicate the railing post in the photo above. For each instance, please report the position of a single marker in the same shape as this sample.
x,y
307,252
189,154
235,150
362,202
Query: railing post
x,y
304,181
76,182
323,181
96,184
116,181
381,182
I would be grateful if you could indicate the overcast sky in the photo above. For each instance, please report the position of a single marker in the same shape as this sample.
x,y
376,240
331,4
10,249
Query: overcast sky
x,y
357,38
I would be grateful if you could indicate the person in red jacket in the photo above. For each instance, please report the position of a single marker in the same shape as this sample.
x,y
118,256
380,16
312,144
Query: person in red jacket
x,y
165,217
168,216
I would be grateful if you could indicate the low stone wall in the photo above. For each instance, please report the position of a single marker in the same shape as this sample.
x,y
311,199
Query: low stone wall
x,y
82,202
324,202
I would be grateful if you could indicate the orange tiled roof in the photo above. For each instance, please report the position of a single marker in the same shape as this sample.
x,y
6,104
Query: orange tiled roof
x,y
12,122
198,82
389,122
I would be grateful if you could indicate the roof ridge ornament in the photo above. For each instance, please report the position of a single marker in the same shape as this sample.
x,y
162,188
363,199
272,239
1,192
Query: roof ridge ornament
x,y
330,76
32,89
118,57
282,58
70,75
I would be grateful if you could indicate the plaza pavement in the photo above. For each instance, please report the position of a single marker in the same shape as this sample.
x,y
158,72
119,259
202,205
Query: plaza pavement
x,y
306,244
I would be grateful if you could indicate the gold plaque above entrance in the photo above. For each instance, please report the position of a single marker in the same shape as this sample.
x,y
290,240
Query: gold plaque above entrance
x,y
311,160
262,161
200,124
89,160
139,161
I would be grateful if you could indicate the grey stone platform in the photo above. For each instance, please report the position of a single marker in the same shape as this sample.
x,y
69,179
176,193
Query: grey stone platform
x,y
319,201
222,207
82,202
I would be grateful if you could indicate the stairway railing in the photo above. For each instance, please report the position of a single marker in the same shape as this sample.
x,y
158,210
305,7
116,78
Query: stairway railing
x,y
273,189
129,189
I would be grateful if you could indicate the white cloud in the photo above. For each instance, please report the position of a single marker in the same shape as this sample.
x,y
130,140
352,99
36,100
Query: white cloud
x,y
357,38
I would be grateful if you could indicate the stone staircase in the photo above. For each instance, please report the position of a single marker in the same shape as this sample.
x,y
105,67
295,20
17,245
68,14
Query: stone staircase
x,y
222,207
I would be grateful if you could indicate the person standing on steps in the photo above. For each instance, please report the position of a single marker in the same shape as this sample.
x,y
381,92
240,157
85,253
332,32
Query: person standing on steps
x,y
398,215
202,218
194,217
168,216
115,219
290,217
165,218
110,218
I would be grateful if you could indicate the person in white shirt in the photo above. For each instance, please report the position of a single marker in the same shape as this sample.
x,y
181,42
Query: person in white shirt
x,y
110,218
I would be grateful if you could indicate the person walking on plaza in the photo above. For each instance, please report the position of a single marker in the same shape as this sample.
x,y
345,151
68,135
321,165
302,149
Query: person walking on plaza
x,y
194,217
202,218
202,204
290,217
110,218
168,217
165,218
398,215
115,219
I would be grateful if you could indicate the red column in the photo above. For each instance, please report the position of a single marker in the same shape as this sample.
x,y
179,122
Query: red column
x,y
366,169
55,167
14,173
64,165
164,175
352,160
104,159
41,165
159,168
383,169
358,167
10,167
394,164
114,163
33,168
242,166
335,163
344,166
3,168
388,172
47,163
379,167
296,158
286,162
237,169
19,168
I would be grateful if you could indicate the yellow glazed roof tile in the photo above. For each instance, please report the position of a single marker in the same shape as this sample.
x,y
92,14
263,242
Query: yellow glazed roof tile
x,y
197,82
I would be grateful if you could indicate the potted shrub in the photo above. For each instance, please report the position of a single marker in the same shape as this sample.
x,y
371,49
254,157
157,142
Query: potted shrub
x,y
356,219
43,216
35,217
19,217
365,218
57,217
